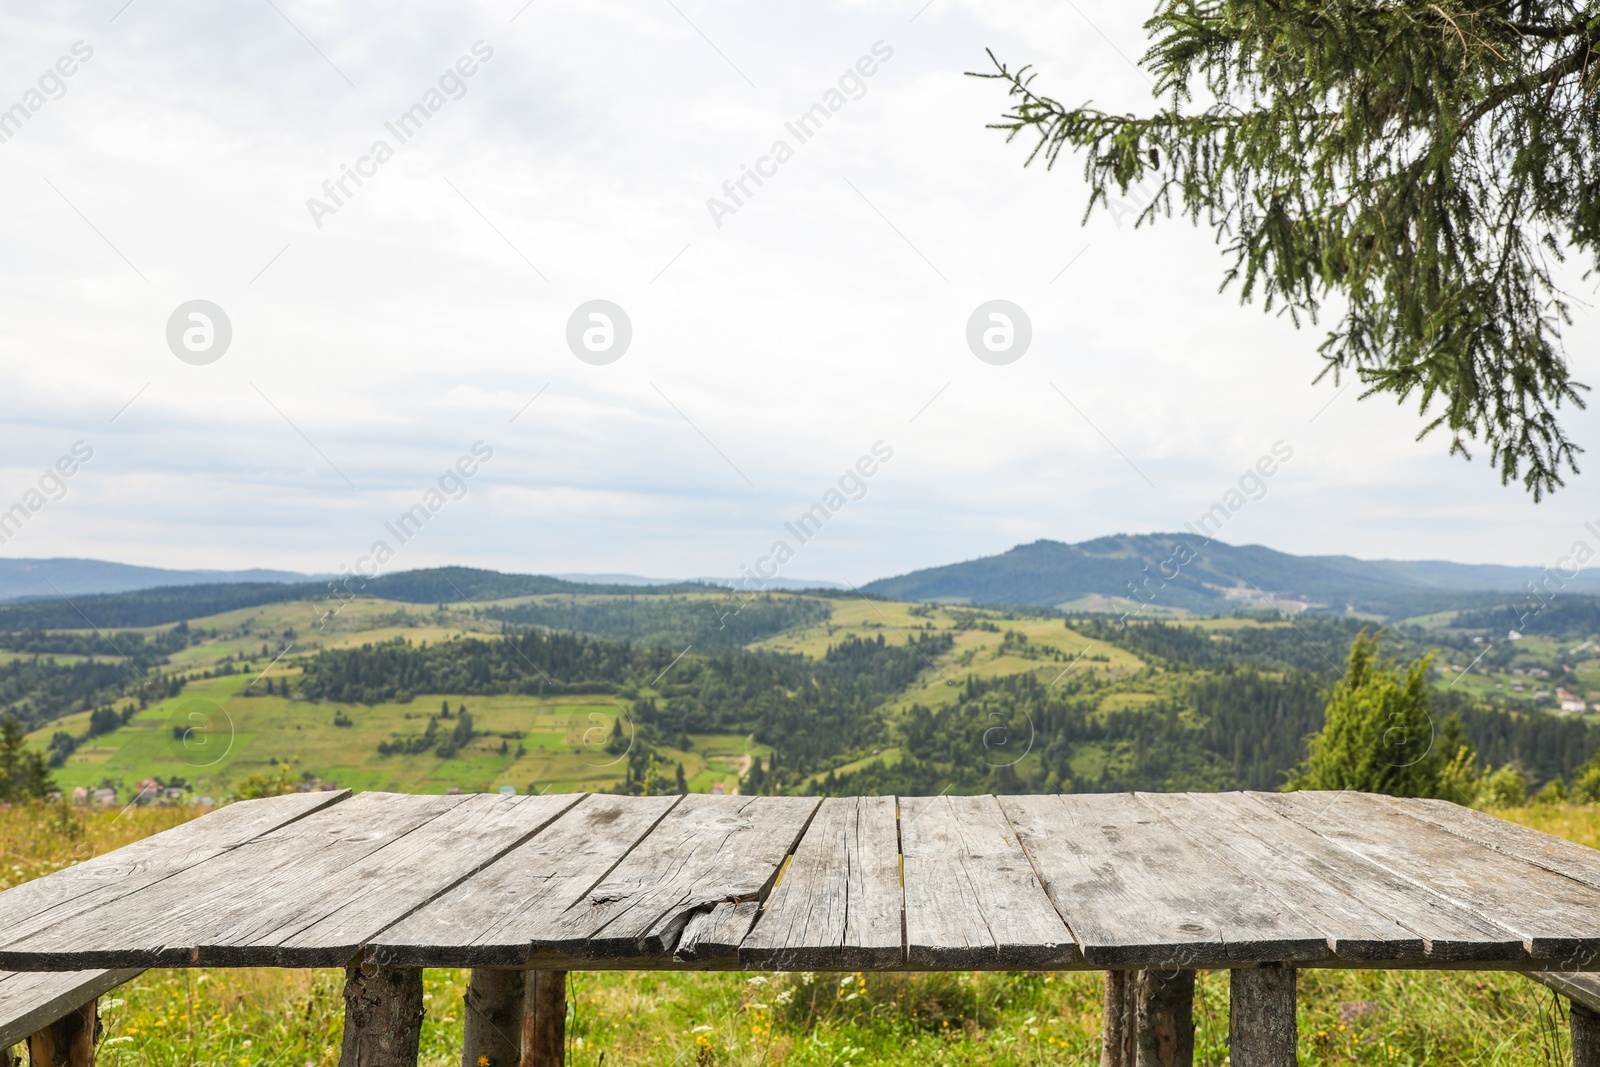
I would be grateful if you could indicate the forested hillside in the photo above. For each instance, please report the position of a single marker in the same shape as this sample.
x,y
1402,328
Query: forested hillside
x,y
777,693
730,621
806,710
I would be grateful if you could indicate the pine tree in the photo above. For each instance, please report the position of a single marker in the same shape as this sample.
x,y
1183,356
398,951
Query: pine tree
x,y
1426,163
1379,732
24,775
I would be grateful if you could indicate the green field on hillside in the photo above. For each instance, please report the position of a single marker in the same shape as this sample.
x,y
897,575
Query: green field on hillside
x,y
211,737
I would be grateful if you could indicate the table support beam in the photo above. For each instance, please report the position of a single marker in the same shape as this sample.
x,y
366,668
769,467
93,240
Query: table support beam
x,y
1585,1026
1149,1019
382,1015
1261,1026
1165,1036
69,1041
1114,1034
544,1020
493,1011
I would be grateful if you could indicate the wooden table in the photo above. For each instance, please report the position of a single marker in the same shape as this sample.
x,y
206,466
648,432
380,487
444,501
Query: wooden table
x,y
1147,887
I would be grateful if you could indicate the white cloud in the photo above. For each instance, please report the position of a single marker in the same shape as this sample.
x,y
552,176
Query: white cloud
x,y
814,322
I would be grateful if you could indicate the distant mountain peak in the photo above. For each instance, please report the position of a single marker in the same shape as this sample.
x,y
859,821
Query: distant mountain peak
x,y
1165,572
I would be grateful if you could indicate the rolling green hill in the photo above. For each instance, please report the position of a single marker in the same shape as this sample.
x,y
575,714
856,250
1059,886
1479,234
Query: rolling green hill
x,y
781,692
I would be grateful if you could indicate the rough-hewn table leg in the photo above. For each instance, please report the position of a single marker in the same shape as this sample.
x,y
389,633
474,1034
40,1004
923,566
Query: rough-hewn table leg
x,y
1166,1019
67,1042
1112,1039
382,1016
1585,1035
1261,1027
544,1022
493,1009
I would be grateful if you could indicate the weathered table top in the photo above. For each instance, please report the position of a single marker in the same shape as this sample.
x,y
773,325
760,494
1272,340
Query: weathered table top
x,y
592,881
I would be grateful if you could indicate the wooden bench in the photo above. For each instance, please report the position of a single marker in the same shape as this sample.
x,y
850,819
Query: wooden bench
x,y
1149,888
54,1012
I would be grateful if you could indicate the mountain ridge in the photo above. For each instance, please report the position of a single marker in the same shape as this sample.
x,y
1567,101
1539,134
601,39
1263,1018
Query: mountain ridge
x,y
23,579
1182,572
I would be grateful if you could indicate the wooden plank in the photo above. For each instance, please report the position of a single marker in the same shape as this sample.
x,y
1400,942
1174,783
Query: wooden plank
x,y
360,900
1448,931
972,899
1557,854
95,883
1294,880
491,918
719,932
1574,985
1556,918
31,1001
838,904
1136,892
163,924
707,850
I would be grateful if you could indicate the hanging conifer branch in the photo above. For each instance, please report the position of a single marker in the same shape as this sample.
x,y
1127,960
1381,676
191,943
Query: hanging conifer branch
x,y
1427,163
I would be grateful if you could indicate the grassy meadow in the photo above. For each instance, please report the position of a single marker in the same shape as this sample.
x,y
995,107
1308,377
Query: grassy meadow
x,y
532,743
271,1018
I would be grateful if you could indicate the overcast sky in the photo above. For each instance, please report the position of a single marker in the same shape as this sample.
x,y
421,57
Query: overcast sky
x,y
376,338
